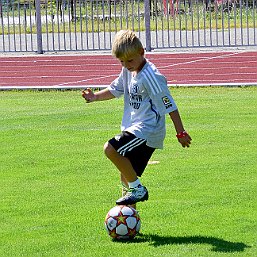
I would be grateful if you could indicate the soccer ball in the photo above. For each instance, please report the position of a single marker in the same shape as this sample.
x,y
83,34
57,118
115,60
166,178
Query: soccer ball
x,y
122,222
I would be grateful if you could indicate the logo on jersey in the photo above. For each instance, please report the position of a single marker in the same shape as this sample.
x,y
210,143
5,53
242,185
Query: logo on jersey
x,y
166,101
135,98
135,89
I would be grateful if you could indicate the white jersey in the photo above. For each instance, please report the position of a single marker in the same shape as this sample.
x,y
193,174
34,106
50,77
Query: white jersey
x,y
146,101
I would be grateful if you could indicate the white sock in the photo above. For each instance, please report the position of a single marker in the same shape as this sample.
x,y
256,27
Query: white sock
x,y
134,184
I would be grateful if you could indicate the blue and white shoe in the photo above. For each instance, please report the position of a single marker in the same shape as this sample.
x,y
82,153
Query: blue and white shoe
x,y
134,195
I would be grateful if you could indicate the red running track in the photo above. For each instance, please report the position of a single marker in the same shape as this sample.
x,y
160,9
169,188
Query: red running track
x,y
80,71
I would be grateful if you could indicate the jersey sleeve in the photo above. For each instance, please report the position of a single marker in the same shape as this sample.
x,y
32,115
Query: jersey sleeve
x,y
117,86
159,93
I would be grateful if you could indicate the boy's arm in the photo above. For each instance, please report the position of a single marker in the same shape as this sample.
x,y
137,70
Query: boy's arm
x,y
102,95
183,138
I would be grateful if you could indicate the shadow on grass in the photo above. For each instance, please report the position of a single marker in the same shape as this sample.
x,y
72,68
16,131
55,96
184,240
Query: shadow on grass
x,y
218,245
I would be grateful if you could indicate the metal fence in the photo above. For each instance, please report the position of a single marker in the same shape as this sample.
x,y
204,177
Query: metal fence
x,y
71,25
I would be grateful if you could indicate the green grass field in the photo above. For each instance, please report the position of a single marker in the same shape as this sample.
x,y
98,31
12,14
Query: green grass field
x,y
56,185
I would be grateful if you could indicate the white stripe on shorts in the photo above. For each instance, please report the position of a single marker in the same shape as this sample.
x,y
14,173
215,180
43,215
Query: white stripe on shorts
x,y
130,146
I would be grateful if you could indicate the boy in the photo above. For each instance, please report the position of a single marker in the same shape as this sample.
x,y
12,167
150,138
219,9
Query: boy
x,y
146,101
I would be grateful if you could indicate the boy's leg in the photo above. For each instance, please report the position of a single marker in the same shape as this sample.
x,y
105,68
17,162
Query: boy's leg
x,y
122,163
137,192
125,189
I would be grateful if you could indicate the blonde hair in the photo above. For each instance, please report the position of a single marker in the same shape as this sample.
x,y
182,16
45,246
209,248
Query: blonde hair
x,y
126,44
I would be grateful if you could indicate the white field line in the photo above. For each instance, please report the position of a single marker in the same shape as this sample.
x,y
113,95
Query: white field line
x,y
104,86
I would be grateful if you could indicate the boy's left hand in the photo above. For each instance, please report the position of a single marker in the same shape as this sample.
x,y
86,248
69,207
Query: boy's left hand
x,y
185,141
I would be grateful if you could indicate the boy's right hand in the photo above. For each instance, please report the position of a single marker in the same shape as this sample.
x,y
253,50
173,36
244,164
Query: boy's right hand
x,y
89,95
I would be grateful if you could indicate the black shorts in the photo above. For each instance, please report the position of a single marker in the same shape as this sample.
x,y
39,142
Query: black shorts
x,y
134,148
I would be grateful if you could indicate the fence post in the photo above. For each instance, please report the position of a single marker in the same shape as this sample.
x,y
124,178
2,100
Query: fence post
x,y
39,27
147,25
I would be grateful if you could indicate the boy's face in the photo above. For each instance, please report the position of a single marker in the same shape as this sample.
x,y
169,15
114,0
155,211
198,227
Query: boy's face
x,y
133,63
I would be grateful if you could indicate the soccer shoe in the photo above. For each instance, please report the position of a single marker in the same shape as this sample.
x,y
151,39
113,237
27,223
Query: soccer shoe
x,y
134,195
124,189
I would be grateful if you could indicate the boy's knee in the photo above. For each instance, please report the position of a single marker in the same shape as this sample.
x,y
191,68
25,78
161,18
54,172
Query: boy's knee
x,y
108,149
